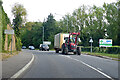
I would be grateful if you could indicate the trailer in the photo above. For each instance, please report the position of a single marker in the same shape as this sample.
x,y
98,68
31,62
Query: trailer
x,y
59,39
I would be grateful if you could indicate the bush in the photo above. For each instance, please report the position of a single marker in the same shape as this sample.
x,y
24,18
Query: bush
x,y
115,50
51,47
18,44
96,49
110,50
101,50
85,49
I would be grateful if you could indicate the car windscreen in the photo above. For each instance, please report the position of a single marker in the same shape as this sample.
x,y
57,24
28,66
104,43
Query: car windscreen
x,y
45,45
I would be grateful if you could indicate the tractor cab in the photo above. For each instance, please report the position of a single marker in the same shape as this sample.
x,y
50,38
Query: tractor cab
x,y
71,42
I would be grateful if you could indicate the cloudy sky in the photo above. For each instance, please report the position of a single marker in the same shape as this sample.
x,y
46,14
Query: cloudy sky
x,y
40,9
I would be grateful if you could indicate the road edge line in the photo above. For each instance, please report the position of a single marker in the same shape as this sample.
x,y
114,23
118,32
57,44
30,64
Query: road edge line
x,y
91,67
24,68
94,68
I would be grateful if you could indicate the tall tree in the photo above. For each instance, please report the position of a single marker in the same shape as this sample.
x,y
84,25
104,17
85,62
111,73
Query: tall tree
x,y
19,13
112,21
50,29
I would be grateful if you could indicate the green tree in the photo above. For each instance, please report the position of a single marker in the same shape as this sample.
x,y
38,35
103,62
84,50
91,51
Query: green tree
x,y
92,22
36,34
19,13
112,21
31,34
50,29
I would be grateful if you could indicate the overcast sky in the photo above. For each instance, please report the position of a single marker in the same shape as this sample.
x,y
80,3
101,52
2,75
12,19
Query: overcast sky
x,y
40,9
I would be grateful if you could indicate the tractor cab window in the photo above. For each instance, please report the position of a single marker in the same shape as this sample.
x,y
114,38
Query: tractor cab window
x,y
72,38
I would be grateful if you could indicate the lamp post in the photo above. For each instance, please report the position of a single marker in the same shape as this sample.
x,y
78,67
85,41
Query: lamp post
x,y
67,25
105,36
43,33
43,30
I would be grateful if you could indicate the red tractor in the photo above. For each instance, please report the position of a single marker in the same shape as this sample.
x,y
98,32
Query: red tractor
x,y
71,43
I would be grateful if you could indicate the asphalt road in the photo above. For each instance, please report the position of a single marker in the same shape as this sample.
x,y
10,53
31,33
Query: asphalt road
x,y
48,64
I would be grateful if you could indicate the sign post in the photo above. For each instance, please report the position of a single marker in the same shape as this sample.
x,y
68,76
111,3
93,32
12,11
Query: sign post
x,y
11,42
10,32
91,41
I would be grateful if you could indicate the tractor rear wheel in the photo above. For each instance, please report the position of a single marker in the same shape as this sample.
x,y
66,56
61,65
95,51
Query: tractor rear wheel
x,y
78,51
66,51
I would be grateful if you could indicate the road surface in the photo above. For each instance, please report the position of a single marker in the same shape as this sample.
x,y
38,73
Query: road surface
x,y
48,64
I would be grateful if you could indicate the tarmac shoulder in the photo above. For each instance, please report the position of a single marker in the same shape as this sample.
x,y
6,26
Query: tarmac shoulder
x,y
13,64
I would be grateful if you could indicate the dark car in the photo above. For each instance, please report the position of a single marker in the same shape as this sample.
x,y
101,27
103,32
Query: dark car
x,y
44,47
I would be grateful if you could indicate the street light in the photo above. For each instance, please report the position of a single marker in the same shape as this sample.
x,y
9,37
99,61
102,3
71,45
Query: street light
x,y
67,25
105,36
43,33
43,30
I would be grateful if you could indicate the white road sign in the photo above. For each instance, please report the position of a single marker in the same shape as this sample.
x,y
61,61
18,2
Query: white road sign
x,y
47,42
91,41
9,31
105,42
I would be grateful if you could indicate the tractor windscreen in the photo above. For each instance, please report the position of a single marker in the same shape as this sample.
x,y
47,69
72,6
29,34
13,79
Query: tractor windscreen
x,y
72,38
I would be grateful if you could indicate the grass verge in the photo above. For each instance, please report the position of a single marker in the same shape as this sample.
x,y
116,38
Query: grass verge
x,y
103,54
7,54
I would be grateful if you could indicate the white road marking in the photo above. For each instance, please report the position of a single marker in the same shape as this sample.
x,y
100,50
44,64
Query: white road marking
x,y
90,67
23,69
65,56
99,69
